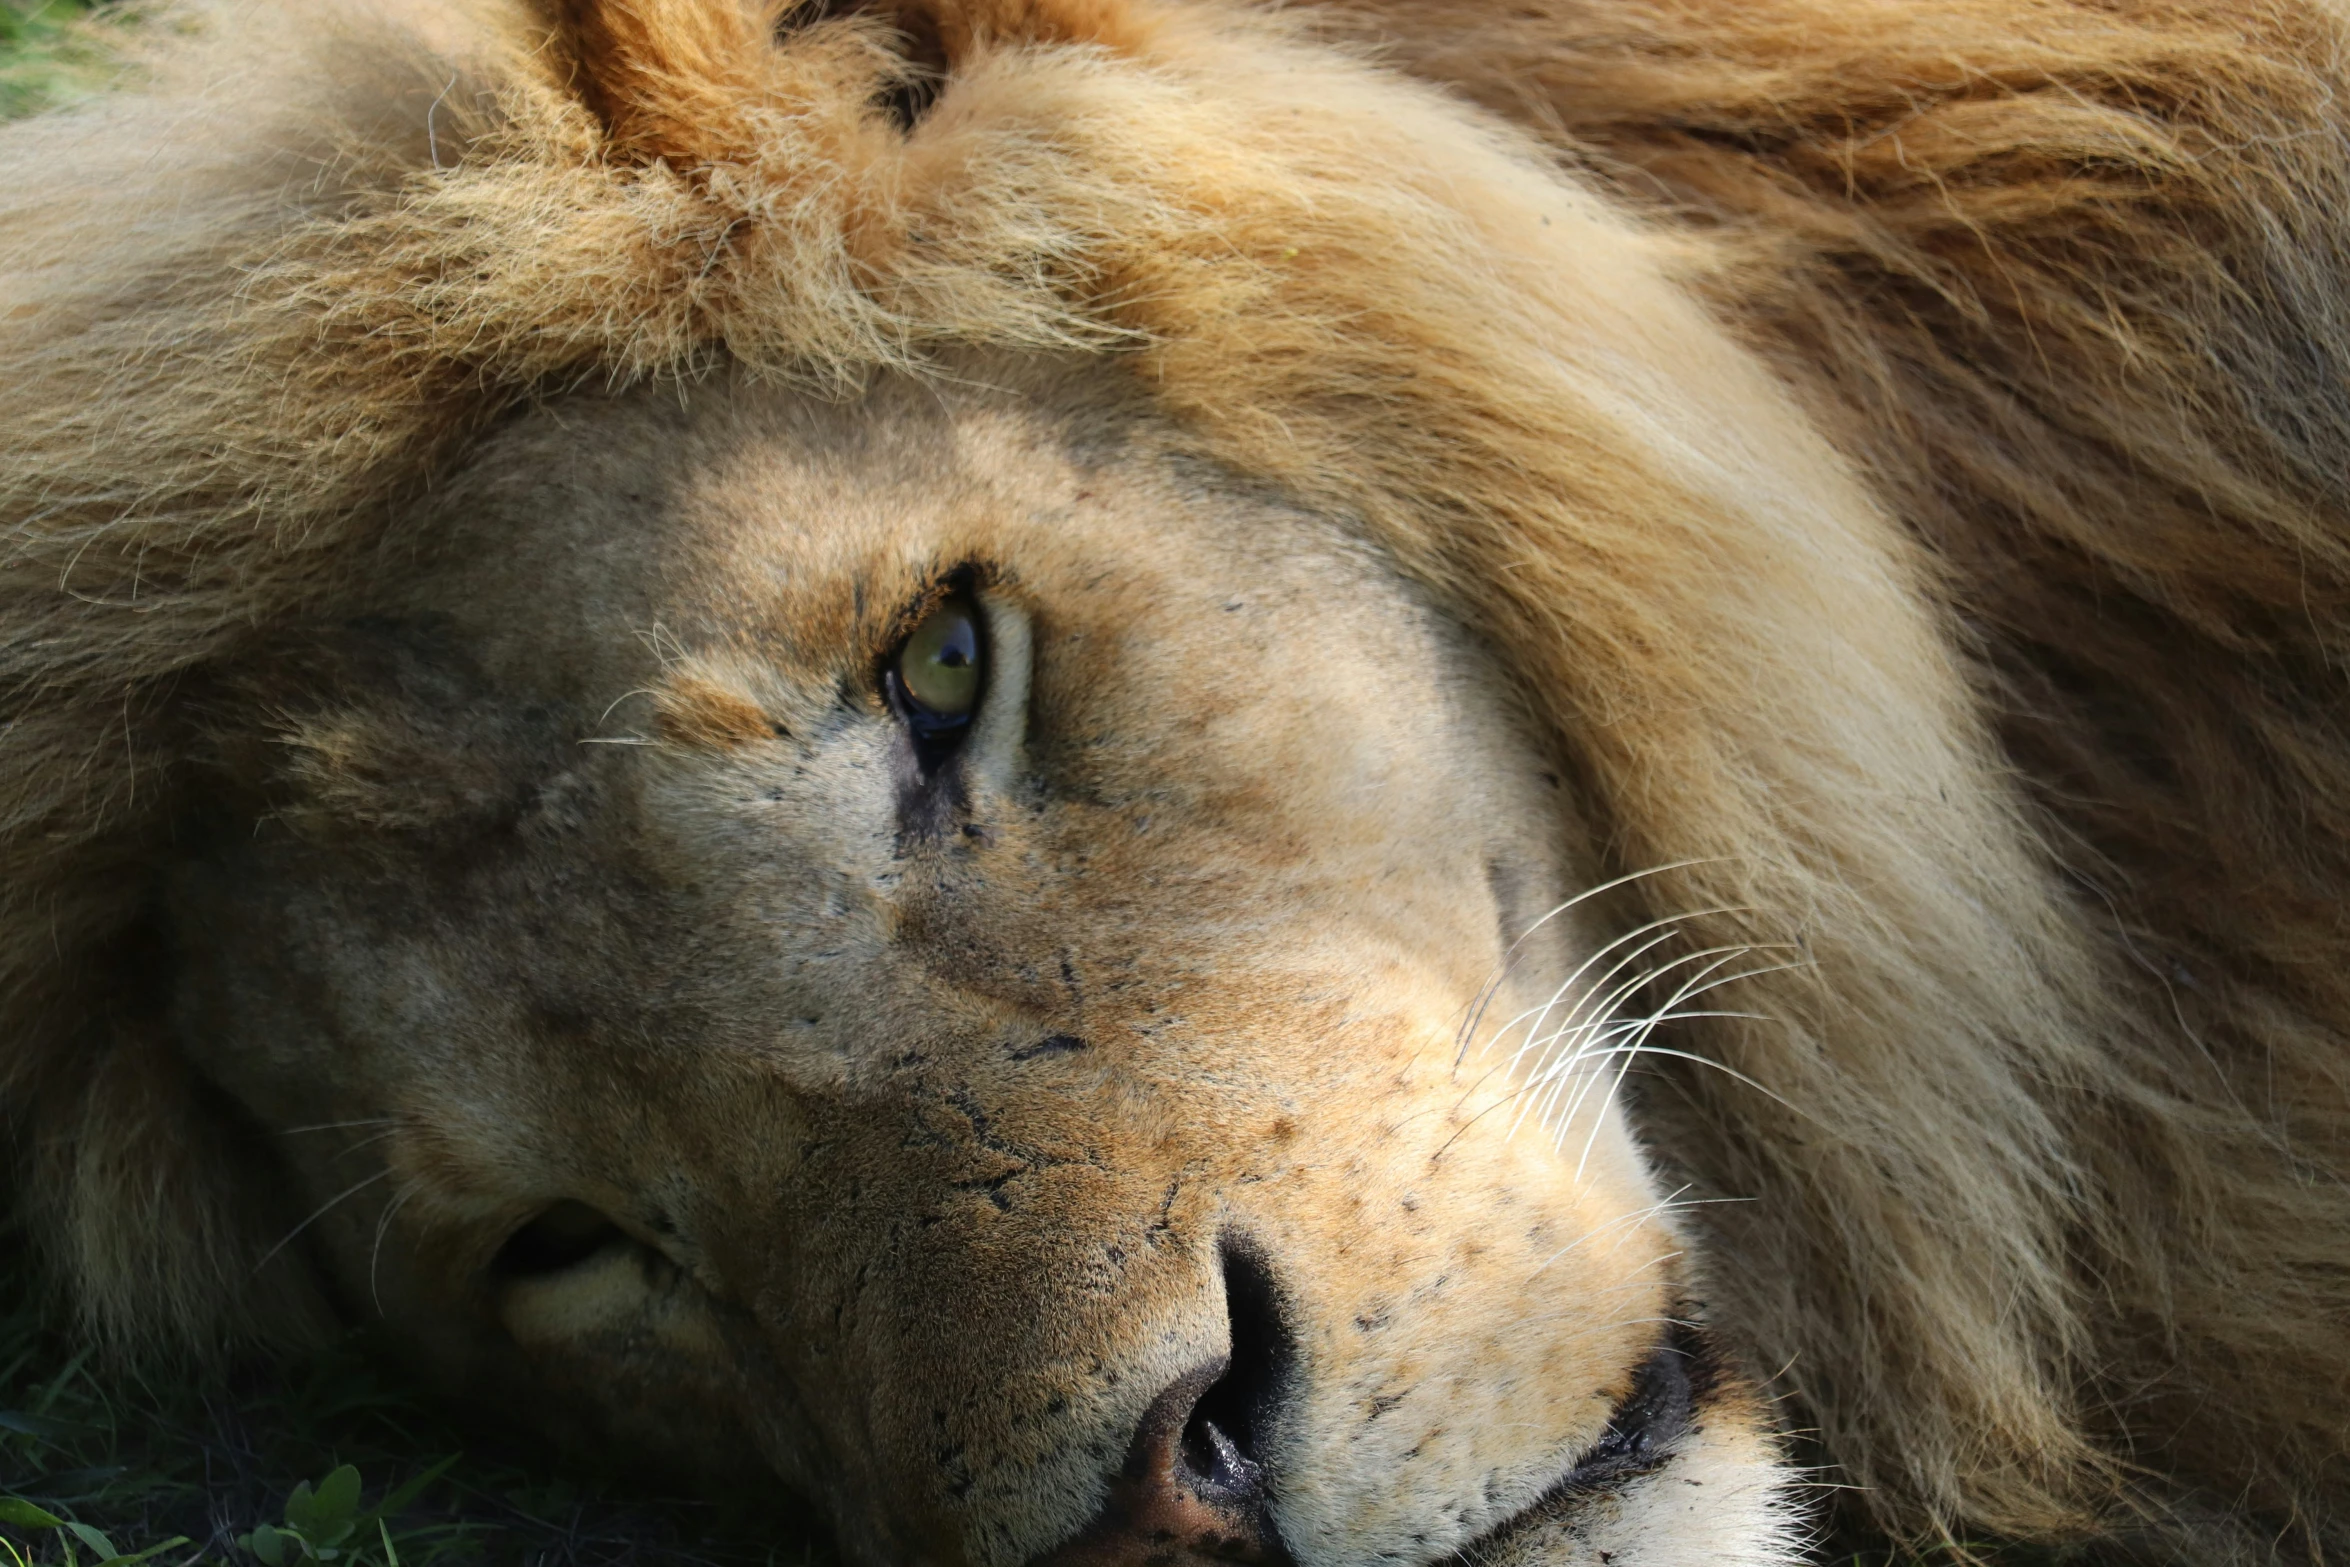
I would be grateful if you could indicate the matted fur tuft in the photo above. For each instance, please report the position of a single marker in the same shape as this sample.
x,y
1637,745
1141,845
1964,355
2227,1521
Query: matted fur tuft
x,y
2022,457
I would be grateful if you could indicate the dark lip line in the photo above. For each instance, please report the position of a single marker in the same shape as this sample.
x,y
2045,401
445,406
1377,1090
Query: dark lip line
x,y
1642,1436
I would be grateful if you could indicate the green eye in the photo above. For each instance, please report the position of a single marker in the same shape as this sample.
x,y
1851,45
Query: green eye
x,y
938,671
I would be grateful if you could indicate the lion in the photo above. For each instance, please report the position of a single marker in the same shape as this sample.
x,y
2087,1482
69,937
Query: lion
x,y
1096,781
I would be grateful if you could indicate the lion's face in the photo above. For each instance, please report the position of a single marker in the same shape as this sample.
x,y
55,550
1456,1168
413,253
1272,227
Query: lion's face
x,y
947,952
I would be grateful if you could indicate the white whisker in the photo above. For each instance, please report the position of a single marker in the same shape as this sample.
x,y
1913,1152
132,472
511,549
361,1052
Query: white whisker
x,y
1660,929
1501,970
1579,1043
1603,1010
318,1213
338,1126
1547,1081
369,1141
383,1226
1663,1205
1552,1078
1695,985
1540,1013
1641,1030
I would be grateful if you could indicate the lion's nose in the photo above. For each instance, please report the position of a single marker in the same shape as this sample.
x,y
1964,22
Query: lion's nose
x,y
1195,1487
1192,1490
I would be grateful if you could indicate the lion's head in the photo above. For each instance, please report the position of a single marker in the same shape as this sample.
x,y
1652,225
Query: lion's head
x,y
961,752
940,946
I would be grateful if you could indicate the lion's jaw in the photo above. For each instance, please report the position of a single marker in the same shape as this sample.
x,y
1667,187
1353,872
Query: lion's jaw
x,y
1111,1134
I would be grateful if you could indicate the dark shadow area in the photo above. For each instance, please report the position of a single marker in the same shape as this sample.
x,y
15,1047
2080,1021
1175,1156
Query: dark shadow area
x,y
203,1458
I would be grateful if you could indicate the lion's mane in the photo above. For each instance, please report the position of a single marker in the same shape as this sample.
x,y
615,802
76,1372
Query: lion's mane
x,y
2013,709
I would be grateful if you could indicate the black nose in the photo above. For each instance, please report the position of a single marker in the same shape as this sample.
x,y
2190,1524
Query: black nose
x,y
1196,1487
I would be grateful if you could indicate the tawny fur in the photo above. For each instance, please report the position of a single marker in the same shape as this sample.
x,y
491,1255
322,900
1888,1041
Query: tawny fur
x,y
2053,1208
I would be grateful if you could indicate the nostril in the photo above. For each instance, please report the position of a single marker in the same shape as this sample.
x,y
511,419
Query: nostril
x,y
1222,1441
1197,1486
561,1237
1218,1462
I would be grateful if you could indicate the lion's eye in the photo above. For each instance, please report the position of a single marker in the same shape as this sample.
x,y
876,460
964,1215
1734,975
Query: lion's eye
x,y
936,678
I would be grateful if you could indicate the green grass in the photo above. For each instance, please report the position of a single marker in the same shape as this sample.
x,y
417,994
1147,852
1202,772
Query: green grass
x,y
48,54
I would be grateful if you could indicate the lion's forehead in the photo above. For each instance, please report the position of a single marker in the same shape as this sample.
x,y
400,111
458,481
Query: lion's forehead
x,y
741,510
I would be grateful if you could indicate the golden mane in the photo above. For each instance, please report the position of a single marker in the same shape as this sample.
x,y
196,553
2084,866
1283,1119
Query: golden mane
x,y
2024,432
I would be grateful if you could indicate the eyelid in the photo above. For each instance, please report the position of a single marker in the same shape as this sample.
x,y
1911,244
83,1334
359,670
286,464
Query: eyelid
x,y
964,582
993,754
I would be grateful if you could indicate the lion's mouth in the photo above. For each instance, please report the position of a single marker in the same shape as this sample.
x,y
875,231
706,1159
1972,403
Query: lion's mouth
x,y
1643,1434
1648,1420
